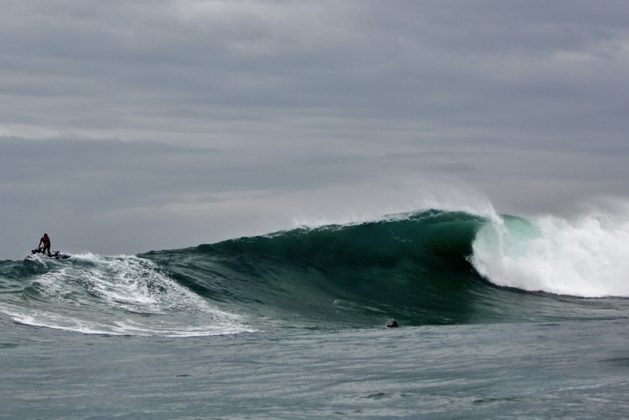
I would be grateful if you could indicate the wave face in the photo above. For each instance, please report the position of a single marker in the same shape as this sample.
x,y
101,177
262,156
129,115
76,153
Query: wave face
x,y
429,267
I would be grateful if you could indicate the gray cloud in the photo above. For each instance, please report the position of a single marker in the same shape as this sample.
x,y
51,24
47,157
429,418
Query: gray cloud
x,y
187,68
243,109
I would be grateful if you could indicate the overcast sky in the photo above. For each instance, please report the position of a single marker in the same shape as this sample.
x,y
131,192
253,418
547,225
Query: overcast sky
x,y
127,126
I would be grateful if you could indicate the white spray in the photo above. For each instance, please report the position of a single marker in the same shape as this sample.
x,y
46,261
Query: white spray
x,y
586,257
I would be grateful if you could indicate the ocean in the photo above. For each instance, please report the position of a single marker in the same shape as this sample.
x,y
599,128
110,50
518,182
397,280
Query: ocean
x,y
499,316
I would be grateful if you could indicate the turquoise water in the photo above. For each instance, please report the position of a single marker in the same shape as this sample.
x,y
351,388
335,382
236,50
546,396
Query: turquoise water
x,y
292,324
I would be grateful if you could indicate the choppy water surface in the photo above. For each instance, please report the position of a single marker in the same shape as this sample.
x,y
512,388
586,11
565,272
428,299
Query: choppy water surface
x,y
500,316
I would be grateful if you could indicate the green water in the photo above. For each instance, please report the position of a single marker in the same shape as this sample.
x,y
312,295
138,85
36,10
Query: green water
x,y
292,325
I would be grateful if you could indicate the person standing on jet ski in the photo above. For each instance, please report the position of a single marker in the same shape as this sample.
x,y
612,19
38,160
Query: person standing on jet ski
x,y
44,244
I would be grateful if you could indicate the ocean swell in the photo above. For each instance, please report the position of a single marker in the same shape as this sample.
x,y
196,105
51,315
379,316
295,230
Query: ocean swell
x,y
428,267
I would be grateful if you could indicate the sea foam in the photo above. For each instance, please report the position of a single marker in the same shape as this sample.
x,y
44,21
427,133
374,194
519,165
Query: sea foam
x,y
585,257
118,295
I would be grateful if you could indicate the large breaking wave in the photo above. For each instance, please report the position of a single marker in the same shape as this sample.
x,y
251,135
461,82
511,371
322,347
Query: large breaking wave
x,y
587,257
428,267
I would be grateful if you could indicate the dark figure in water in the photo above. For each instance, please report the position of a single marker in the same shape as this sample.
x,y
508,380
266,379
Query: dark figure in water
x,y
44,244
392,324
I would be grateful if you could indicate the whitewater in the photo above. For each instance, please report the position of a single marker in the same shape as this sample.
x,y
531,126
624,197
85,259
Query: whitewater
x,y
499,314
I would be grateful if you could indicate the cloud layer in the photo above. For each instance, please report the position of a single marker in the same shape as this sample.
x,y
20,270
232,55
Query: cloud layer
x,y
224,72
167,118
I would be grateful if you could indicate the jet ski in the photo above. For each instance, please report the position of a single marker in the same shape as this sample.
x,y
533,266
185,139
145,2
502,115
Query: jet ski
x,y
57,255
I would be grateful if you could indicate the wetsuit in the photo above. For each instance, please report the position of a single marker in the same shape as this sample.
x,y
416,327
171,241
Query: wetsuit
x,y
45,241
